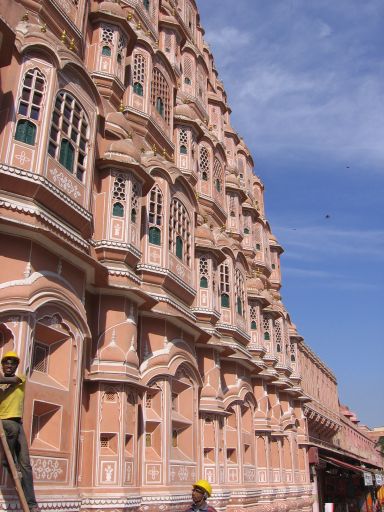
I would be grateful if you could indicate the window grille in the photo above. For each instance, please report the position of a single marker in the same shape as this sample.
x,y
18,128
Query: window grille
x,y
180,232
104,441
139,72
160,95
218,175
155,216
69,133
240,294
204,272
107,32
188,73
40,358
148,401
119,195
29,107
253,316
183,141
266,328
278,336
204,163
224,285
135,200
167,42
121,45
110,396
232,204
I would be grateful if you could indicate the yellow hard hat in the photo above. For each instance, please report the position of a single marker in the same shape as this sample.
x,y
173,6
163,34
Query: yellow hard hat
x,y
204,486
10,355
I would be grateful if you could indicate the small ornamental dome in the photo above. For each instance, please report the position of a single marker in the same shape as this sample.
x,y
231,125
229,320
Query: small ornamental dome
x,y
208,391
204,233
111,7
255,283
125,148
233,180
116,123
185,111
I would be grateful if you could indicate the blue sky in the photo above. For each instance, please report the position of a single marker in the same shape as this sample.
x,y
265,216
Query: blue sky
x,y
305,81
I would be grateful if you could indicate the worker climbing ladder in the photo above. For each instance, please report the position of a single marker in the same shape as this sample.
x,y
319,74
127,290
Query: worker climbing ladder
x,y
13,469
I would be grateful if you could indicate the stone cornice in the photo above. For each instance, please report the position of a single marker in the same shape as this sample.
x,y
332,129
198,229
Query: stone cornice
x,y
32,177
48,219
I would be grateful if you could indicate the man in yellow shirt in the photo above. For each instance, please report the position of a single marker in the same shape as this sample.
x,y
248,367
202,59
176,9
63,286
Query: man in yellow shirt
x,y
12,390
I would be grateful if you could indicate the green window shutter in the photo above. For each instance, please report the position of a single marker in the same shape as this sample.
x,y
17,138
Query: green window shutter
x,y
133,215
154,236
266,336
239,306
67,155
138,89
106,51
203,282
217,185
183,150
246,231
179,247
118,210
253,325
224,300
160,106
146,4
25,132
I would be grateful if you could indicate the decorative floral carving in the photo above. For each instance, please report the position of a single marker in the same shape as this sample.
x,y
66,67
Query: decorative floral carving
x,y
46,469
65,183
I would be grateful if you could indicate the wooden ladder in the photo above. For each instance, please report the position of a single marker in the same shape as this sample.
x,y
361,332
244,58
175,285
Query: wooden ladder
x,y
14,472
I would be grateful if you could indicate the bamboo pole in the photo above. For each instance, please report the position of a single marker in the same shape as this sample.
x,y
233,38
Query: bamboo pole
x,y
14,472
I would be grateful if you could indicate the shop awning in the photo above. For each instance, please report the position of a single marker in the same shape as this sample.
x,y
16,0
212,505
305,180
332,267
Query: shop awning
x,y
341,464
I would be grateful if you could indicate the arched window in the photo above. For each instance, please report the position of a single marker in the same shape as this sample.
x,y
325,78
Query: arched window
x,y
155,215
154,235
218,185
179,247
203,282
135,200
160,106
183,150
25,132
267,336
106,51
253,325
204,163
69,134
240,293
180,232
146,4
138,89
224,300
246,231
67,154
29,107
118,210
139,74
188,70
224,285
160,96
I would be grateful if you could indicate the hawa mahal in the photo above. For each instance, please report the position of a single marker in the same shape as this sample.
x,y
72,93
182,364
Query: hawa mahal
x,y
140,279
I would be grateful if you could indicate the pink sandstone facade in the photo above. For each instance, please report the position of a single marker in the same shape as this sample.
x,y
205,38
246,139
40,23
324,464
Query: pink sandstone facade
x,y
139,277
